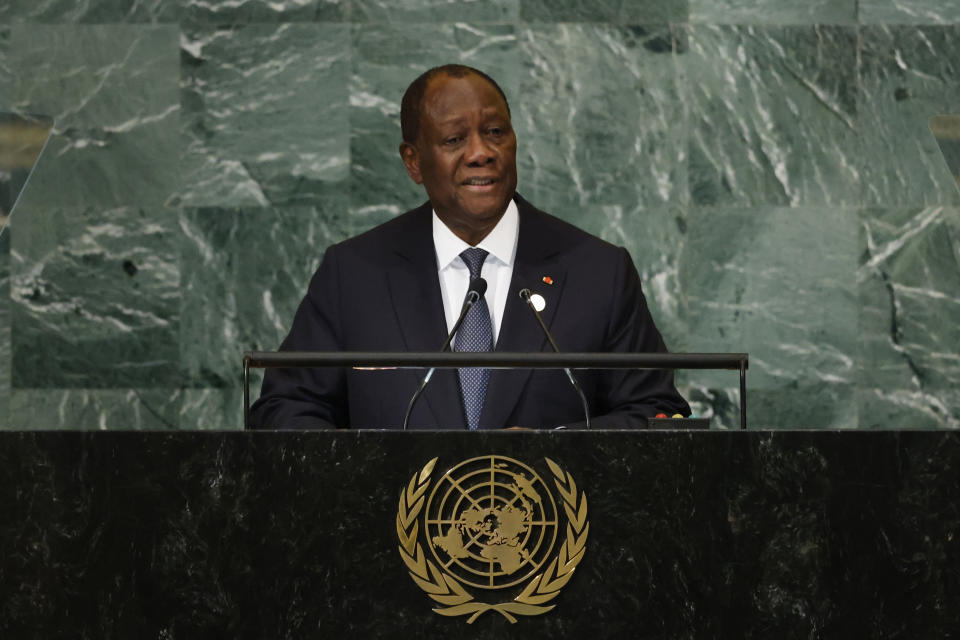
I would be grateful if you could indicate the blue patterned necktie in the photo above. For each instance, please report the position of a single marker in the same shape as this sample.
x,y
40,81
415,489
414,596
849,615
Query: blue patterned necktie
x,y
475,334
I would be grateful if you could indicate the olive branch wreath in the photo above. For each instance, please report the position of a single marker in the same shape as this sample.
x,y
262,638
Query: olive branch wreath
x,y
450,594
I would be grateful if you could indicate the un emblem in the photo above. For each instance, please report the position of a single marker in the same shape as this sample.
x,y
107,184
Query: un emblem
x,y
491,524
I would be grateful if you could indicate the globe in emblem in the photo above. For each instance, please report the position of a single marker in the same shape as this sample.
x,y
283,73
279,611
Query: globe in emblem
x,y
491,522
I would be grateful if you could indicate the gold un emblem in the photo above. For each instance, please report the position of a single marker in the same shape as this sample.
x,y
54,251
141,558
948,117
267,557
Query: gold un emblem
x,y
491,524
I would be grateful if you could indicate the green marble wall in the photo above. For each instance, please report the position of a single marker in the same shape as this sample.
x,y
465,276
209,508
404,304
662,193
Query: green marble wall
x,y
767,163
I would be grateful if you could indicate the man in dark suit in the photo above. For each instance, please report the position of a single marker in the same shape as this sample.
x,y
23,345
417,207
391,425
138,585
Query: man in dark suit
x,y
400,287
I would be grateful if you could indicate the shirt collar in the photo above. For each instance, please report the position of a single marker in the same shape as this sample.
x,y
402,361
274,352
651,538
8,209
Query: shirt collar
x,y
501,242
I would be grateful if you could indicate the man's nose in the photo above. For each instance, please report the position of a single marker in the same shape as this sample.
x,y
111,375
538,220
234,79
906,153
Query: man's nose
x,y
479,152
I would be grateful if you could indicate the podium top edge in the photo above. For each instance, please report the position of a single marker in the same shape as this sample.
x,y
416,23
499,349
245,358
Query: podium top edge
x,y
495,359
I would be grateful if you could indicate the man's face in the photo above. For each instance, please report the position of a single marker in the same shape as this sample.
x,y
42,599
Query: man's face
x,y
465,155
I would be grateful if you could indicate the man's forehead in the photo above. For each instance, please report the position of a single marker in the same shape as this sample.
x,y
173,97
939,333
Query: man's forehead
x,y
441,118
444,88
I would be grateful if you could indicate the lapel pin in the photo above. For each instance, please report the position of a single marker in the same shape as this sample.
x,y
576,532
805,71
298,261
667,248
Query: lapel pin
x,y
538,302
547,280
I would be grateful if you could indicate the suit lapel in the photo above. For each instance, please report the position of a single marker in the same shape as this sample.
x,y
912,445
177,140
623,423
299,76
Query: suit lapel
x,y
519,331
415,287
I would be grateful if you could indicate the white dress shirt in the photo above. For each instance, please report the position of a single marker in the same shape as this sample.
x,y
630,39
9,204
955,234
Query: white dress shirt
x,y
500,244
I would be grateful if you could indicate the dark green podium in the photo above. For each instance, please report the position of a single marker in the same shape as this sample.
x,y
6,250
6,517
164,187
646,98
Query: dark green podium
x,y
754,534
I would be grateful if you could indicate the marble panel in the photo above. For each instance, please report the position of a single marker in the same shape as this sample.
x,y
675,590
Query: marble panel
x,y
4,328
801,406
113,93
244,274
907,75
655,238
216,409
6,75
6,82
908,285
255,11
909,12
386,59
720,404
264,114
882,408
600,118
435,11
6,85
89,11
95,409
779,284
773,115
95,298
616,11
770,12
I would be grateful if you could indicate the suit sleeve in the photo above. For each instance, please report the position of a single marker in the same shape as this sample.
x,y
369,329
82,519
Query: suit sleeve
x,y
313,398
626,398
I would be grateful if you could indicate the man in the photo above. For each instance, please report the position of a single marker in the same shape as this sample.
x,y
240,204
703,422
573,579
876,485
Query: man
x,y
400,287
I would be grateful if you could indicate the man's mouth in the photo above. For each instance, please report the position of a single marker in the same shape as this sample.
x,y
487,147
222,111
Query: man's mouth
x,y
479,182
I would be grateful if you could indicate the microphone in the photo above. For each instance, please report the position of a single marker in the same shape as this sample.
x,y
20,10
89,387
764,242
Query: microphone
x,y
476,290
527,297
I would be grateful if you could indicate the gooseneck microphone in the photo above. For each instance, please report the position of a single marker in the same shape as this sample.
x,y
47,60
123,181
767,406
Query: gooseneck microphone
x,y
526,295
476,290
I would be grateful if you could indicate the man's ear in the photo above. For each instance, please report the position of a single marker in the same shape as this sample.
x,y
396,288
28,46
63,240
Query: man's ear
x,y
411,160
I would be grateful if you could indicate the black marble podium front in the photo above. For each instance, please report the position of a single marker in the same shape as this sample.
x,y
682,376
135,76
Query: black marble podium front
x,y
757,534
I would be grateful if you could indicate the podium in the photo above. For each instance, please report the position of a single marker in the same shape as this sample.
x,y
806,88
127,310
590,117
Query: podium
x,y
295,534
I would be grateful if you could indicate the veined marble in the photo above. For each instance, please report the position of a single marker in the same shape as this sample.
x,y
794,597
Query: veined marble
x,y
96,409
613,11
768,164
4,327
234,12
112,91
773,116
908,285
264,114
908,74
434,11
89,11
95,297
657,238
600,118
244,274
769,12
777,283
6,74
216,409
909,12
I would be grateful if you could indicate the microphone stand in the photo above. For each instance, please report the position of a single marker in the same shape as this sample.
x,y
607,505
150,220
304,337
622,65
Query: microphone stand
x,y
525,294
477,288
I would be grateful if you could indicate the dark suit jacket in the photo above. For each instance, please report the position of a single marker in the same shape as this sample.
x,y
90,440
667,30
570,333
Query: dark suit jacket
x,y
380,291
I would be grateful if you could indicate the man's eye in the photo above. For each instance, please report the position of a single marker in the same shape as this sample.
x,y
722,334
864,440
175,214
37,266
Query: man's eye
x,y
496,131
452,140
